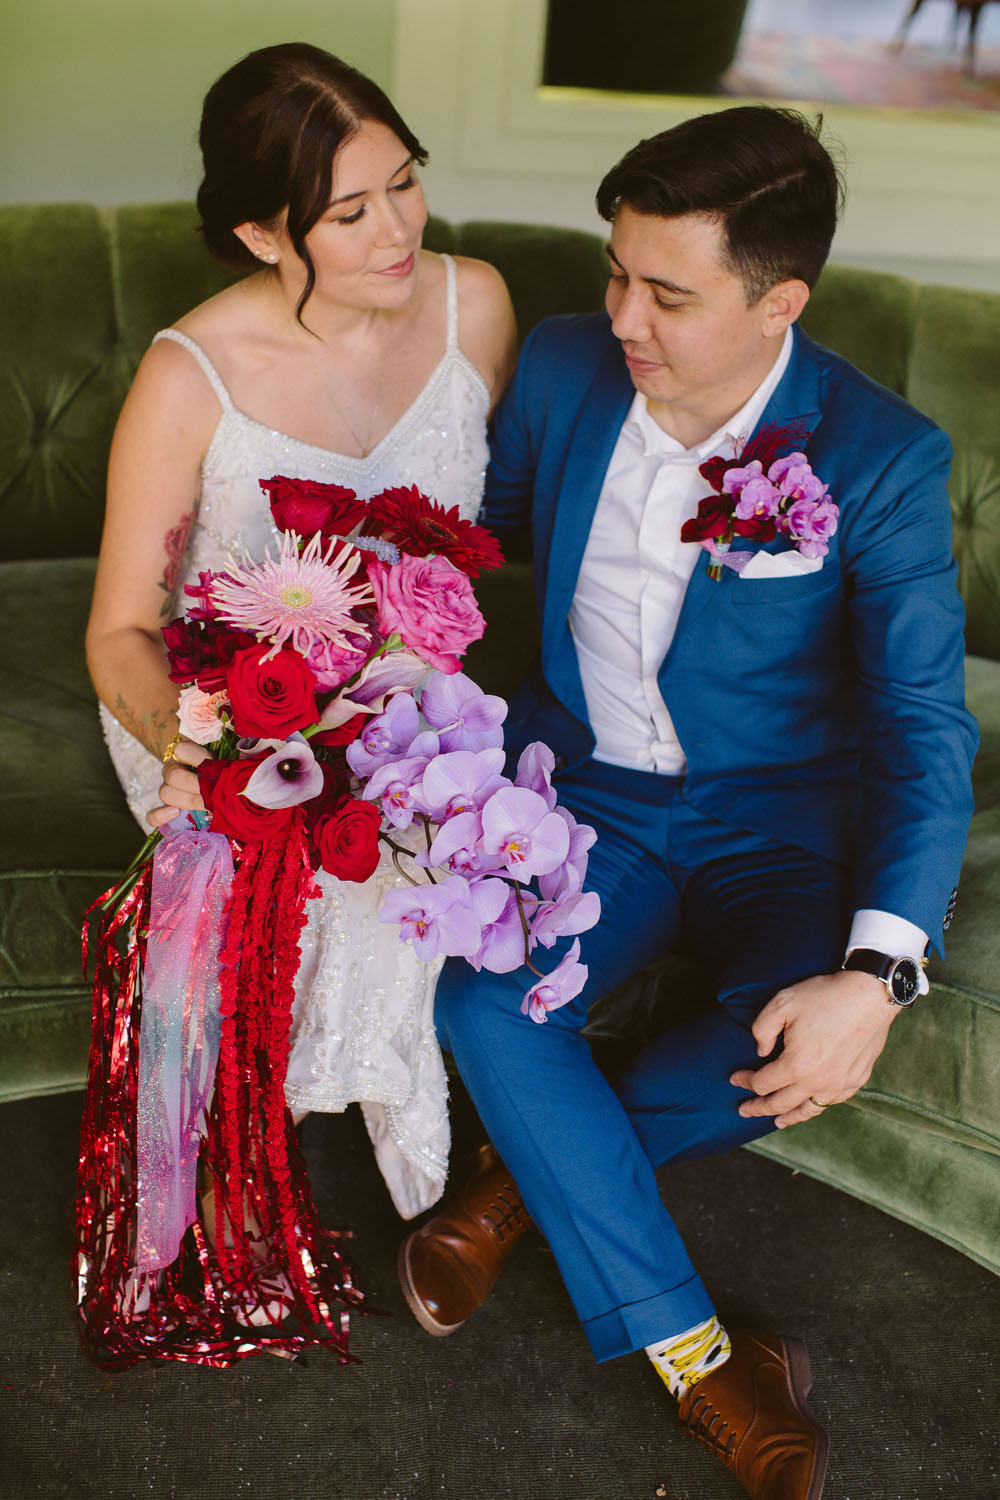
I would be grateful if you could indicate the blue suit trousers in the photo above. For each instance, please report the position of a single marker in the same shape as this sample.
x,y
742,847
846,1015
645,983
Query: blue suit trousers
x,y
758,915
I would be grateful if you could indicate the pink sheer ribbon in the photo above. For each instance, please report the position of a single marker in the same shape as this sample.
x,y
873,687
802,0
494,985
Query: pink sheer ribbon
x,y
179,1033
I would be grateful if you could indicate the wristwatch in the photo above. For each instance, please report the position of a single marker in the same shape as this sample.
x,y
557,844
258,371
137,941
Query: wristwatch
x,y
903,977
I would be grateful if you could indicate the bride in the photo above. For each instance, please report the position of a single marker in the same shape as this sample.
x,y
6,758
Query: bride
x,y
352,356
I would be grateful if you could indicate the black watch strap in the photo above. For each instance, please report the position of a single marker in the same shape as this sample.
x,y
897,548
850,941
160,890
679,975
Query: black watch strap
x,y
901,976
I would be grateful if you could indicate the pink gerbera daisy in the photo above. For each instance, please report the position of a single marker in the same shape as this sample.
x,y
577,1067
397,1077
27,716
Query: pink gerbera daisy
x,y
304,599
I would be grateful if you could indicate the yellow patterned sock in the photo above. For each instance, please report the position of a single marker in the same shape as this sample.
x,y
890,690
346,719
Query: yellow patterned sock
x,y
682,1361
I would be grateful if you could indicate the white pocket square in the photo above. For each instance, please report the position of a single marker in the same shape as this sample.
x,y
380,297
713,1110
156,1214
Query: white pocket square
x,y
780,565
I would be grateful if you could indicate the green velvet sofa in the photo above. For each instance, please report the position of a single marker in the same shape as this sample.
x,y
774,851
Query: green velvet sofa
x,y
81,292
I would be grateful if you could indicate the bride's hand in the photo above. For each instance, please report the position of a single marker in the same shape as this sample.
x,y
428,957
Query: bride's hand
x,y
179,790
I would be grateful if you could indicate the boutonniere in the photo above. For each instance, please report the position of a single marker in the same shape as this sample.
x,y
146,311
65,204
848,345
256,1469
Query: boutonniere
x,y
759,495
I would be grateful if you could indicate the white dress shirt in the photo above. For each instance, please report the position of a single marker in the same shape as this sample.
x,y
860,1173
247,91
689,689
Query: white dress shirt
x,y
633,577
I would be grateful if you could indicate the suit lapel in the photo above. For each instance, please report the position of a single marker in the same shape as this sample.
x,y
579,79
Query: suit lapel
x,y
591,444
797,396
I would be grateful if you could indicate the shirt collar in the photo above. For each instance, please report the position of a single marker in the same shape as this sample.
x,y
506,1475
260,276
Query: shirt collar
x,y
735,431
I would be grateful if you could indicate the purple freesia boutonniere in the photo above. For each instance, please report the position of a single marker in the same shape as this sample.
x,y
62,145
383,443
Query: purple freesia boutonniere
x,y
760,496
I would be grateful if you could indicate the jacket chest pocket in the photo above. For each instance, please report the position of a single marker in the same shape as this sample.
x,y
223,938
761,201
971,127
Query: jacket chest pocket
x,y
799,588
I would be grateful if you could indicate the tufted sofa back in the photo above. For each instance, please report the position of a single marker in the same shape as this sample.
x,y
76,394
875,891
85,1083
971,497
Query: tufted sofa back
x,y
82,291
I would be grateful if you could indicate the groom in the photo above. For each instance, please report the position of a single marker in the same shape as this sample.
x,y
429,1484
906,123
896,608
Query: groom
x,y
776,761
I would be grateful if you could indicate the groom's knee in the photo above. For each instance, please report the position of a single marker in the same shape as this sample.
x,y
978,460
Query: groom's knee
x,y
448,994
477,1008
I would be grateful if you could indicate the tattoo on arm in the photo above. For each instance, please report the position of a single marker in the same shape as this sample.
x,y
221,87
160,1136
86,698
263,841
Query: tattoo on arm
x,y
153,729
175,545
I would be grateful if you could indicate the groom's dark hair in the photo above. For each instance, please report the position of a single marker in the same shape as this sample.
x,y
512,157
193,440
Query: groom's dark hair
x,y
762,173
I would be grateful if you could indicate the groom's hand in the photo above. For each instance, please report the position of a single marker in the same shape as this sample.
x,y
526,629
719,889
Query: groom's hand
x,y
834,1027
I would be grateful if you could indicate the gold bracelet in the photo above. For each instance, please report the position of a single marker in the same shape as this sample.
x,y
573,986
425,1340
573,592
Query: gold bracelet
x,y
168,753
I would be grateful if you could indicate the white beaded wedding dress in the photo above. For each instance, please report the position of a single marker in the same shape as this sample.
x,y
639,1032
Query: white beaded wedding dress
x,y
362,1025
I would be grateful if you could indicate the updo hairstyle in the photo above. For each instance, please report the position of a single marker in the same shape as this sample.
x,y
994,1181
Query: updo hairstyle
x,y
270,129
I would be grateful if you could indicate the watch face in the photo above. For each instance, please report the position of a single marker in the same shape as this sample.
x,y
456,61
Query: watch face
x,y
904,982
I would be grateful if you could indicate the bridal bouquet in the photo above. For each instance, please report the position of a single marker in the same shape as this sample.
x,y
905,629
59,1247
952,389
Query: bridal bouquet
x,y
300,674
325,683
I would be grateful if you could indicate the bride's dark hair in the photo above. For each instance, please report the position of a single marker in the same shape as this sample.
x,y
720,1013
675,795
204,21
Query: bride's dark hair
x,y
270,129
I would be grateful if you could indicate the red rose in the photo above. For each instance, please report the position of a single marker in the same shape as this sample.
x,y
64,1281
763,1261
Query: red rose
x,y
221,643
347,839
186,653
714,518
714,470
271,698
306,506
758,528
221,784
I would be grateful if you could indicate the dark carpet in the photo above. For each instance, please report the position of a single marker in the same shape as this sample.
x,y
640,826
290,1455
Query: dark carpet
x,y
902,1332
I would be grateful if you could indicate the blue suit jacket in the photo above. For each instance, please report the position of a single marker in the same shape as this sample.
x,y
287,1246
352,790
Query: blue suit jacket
x,y
824,709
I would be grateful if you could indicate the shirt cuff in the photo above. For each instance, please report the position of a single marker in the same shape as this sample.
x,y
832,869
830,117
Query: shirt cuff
x,y
888,934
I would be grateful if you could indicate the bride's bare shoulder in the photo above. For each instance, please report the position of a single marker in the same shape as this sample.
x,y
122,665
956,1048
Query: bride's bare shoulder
x,y
237,312
481,288
487,330
226,328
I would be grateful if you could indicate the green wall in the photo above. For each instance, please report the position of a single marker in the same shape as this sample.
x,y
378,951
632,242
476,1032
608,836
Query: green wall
x,y
99,99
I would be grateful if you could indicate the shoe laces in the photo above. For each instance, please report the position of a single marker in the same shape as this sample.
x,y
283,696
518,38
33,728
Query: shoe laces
x,y
506,1214
709,1426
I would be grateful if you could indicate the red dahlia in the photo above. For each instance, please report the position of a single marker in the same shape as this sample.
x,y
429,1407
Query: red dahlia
x,y
418,526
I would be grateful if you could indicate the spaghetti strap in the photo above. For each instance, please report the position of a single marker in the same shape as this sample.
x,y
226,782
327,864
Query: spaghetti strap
x,y
452,300
212,374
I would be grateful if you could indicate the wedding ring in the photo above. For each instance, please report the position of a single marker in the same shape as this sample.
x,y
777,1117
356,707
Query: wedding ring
x,y
818,1104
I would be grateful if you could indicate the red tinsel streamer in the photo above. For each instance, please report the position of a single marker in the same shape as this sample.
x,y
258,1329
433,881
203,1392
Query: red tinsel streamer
x,y
257,1272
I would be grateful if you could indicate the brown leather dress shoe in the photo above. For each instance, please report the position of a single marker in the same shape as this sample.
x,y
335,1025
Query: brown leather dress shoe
x,y
448,1268
752,1414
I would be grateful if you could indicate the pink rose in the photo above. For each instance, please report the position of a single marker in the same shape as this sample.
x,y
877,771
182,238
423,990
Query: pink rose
x,y
431,605
198,714
332,665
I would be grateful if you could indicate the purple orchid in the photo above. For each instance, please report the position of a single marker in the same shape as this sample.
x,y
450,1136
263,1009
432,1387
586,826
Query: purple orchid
x,y
385,738
397,786
534,770
801,483
289,776
570,875
558,988
758,497
461,781
735,478
518,826
571,913
458,847
465,717
779,469
502,947
435,918
809,523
